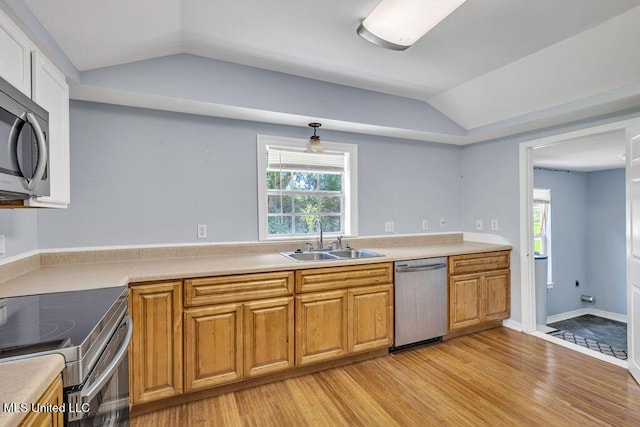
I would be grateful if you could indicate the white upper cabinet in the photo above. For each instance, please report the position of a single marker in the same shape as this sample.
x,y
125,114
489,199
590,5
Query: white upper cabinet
x,y
15,55
51,92
26,68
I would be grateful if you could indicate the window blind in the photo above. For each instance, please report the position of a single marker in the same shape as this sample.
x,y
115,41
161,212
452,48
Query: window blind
x,y
282,159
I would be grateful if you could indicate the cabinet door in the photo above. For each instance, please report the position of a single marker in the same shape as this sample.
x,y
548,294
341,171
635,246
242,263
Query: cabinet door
x,y
213,346
321,327
268,336
496,295
15,51
370,318
464,300
51,91
52,396
156,345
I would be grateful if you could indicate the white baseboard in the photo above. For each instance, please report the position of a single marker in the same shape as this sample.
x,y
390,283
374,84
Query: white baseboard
x,y
512,324
587,310
567,315
608,315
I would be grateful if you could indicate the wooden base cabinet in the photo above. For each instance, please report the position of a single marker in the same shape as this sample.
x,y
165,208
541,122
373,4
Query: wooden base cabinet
x,y
482,293
268,336
321,327
370,318
155,356
212,346
52,396
338,322
231,342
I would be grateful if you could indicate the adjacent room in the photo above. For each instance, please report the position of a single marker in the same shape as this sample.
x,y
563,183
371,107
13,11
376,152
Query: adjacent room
x,y
580,241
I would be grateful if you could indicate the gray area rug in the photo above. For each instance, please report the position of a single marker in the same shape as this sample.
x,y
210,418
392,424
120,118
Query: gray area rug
x,y
596,328
590,344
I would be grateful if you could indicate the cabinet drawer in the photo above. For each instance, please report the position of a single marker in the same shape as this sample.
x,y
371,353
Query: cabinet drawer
x,y
242,287
477,263
324,279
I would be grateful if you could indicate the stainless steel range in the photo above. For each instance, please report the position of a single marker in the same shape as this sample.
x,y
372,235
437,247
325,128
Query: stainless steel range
x,y
92,330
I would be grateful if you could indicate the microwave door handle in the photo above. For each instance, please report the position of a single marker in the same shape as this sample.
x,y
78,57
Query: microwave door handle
x,y
14,135
42,152
91,392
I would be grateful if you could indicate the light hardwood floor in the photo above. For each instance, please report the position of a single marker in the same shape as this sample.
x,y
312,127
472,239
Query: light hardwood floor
x,y
496,377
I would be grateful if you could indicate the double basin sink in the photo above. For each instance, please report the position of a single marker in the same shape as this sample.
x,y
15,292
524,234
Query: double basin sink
x,y
330,255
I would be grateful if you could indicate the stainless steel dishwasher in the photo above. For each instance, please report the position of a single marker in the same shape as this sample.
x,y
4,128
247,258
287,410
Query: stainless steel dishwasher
x,y
420,301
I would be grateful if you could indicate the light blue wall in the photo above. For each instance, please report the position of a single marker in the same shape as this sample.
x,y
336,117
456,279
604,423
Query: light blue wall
x,y
568,237
606,239
201,79
145,177
20,229
588,238
490,191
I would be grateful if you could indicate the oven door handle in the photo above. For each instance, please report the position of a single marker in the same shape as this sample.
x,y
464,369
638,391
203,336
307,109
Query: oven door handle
x,y
88,394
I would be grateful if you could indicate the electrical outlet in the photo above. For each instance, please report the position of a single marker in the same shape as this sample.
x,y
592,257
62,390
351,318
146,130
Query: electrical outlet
x,y
495,225
388,226
202,231
425,224
2,248
442,223
479,225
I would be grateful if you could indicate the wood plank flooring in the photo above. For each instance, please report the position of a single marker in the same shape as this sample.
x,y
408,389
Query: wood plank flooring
x,y
495,377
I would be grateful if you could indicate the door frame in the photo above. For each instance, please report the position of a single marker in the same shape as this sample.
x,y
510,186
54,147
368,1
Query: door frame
x,y
527,265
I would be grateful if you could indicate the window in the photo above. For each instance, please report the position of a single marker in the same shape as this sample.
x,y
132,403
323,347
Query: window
x,y
541,229
297,188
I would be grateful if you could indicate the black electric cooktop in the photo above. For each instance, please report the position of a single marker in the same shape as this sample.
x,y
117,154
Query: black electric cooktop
x,y
36,323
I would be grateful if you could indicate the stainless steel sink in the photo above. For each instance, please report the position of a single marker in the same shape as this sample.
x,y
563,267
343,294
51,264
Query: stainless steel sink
x,y
354,253
309,256
330,255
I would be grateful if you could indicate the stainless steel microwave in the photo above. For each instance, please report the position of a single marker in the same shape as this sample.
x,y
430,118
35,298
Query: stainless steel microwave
x,y
24,146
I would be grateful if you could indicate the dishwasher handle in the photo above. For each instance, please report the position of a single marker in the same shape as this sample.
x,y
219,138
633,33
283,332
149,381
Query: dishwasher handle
x,y
405,268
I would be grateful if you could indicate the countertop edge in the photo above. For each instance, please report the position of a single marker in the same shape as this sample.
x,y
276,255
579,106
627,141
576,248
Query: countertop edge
x,y
24,381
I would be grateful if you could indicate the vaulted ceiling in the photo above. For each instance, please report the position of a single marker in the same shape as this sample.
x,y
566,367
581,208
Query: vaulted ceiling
x,y
492,64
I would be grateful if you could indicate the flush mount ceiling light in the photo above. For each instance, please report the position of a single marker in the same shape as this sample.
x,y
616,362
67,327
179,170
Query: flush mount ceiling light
x,y
314,142
398,24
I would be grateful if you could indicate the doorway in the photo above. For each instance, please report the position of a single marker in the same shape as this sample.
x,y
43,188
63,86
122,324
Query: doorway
x,y
576,167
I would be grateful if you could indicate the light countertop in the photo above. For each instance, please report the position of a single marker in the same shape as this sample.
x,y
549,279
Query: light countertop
x,y
70,277
24,381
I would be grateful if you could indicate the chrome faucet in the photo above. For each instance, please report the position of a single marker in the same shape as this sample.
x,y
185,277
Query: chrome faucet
x,y
320,243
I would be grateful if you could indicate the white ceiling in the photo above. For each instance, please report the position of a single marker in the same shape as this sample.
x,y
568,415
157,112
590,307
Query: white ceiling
x,y
586,154
490,61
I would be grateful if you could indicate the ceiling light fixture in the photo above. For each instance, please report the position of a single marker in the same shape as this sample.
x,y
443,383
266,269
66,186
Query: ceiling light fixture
x,y
314,145
398,24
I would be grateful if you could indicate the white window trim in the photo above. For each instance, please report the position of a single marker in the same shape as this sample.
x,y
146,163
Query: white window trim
x,y
350,183
543,195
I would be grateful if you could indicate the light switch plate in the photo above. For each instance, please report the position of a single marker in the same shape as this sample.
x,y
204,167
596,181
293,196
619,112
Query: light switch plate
x,y
443,223
479,225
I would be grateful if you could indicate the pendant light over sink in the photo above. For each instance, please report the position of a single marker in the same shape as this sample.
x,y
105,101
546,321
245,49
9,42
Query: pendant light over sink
x,y
398,24
314,145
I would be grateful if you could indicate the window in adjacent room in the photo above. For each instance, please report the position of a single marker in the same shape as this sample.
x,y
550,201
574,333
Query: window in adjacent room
x,y
541,205
297,188
542,225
